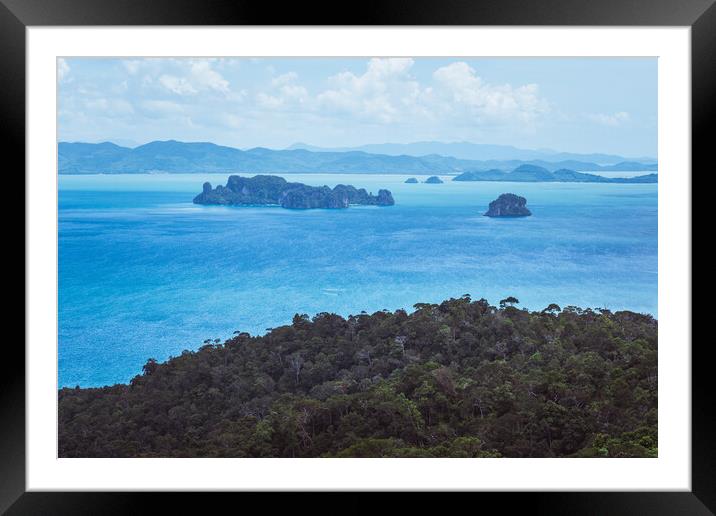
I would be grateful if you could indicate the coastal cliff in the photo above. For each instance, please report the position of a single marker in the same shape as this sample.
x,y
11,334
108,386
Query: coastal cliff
x,y
275,190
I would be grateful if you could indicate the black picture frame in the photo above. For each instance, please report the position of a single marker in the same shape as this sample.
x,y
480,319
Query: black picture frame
x,y
16,15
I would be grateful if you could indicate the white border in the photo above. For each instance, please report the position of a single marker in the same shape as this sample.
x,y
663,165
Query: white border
x,y
671,471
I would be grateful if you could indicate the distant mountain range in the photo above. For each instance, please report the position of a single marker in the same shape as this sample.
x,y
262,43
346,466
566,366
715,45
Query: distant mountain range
x,y
476,151
182,157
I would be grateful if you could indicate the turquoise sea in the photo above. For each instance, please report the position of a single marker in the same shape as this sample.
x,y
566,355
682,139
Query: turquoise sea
x,y
145,273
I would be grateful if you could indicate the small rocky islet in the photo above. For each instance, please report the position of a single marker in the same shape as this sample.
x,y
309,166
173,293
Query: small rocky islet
x,y
411,180
275,190
434,180
508,205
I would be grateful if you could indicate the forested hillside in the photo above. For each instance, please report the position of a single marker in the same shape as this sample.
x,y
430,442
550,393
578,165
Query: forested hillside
x,y
458,379
196,157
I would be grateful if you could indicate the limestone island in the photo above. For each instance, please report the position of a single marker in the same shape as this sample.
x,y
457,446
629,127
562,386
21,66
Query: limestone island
x,y
434,180
275,190
508,205
411,180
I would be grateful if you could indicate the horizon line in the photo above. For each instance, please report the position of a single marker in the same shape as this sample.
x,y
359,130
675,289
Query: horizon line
x,y
357,148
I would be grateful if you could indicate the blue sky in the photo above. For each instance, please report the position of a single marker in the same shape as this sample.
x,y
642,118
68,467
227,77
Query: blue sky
x,y
567,104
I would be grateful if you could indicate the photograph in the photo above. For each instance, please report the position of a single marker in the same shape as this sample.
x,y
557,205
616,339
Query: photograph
x,y
357,257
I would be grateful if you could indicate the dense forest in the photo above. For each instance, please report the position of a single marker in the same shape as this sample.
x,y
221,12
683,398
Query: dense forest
x,y
457,379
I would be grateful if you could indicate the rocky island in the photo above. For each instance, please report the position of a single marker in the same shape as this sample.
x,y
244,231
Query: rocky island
x,y
411,180
434,180
275,190
508,205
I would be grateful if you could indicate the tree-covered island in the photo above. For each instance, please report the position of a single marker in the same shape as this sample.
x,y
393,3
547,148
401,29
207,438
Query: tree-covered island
x,y
457,379
275,190
508,205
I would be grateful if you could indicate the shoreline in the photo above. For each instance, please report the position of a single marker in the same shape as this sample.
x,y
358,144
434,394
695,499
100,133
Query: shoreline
x,y
261,335
608,175
446,207
448,380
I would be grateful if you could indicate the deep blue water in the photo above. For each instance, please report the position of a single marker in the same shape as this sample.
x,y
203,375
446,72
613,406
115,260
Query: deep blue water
x,y
145,273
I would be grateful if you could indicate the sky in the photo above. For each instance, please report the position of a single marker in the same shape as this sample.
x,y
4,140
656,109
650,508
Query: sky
x,y
583,105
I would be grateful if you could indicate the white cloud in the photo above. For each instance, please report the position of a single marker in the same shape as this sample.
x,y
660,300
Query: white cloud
x,y
284,79
178,85
611,120
179,76
269,101
205,77
466,92
109,107
388,98
388,93
380,94
63,69
285,94
294,92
